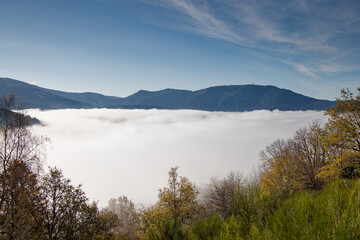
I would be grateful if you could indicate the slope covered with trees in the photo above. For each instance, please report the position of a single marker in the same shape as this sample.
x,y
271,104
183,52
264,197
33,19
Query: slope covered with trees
x,y
307,187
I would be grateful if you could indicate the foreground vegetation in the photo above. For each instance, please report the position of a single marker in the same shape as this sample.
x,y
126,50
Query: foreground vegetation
x,y
307,187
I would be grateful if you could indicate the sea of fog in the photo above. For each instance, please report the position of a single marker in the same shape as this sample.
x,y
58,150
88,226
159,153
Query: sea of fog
x,y
129,152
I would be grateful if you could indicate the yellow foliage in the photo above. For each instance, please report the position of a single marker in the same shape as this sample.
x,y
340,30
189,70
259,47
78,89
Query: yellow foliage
x,y
344,135
280,175
177,202
337,168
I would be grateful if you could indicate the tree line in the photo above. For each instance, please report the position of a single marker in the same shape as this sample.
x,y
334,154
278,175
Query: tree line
x,y
279,201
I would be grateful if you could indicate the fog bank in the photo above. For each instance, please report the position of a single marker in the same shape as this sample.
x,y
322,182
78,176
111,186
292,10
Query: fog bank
x,y
114,152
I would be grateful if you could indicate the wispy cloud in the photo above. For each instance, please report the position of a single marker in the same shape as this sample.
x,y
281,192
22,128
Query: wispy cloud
x,y
206,23
199,19
321,68
306,31
301,68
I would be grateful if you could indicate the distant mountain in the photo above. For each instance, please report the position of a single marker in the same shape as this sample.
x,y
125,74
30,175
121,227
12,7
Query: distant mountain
x,y
167,98
37,97
93,99
252,97
236,98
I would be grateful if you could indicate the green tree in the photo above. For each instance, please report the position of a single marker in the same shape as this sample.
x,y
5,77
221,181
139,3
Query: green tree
x,y
68,214
107,222
179,198
175,210
249,208
23,204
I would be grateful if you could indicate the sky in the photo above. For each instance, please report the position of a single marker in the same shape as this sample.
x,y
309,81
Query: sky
x,y
116,152
117,47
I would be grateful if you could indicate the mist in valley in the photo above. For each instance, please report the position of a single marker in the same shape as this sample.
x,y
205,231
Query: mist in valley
x,y
114,152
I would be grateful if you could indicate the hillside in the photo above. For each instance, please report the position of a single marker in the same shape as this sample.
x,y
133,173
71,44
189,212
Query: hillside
x,y
17,116
235,98
36,97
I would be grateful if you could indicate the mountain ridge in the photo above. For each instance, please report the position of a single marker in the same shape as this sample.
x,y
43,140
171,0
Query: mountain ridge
x,y
232,98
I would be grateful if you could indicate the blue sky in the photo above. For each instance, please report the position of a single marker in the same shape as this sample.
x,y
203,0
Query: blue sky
x,y
117,47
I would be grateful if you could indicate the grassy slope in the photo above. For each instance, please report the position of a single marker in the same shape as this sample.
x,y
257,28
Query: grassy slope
x,y
331,213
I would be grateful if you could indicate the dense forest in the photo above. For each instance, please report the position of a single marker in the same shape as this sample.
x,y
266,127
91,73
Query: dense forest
x,y
307,187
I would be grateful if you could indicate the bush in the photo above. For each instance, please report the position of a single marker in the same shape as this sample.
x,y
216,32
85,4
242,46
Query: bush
x,y
332,213
207,229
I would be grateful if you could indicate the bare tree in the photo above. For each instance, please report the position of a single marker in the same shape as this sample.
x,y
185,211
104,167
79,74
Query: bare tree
x,y
17,140
21,155
311,155
219,195
294,164
128,219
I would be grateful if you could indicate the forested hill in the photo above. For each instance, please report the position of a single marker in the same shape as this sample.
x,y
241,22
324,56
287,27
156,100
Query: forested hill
x,y
235,98
14,116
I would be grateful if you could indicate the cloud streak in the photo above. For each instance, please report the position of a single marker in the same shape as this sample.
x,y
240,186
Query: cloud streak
x,y
306,32
116,152
205,23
